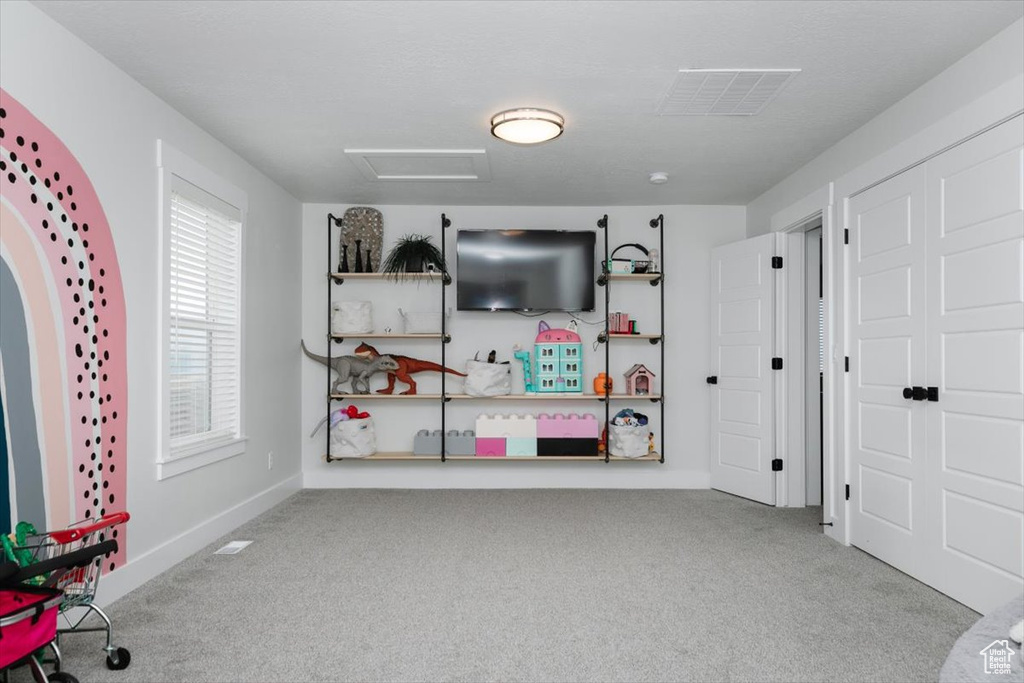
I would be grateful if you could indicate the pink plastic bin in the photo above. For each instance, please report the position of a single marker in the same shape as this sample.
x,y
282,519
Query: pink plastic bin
x,y
490,447
567,427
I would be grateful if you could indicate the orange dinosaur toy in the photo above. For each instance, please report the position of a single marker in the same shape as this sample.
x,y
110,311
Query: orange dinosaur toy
x,y
406,367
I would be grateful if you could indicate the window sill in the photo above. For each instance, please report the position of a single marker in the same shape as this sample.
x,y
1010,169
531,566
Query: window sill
x,y
165,469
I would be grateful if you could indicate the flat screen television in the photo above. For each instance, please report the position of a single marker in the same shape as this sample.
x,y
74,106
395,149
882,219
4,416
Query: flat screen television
x,y
525,270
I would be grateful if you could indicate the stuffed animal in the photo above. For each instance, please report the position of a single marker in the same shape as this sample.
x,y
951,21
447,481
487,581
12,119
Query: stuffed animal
x,y
340,415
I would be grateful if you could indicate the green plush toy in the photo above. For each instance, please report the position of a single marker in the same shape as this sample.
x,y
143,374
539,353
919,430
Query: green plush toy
x,y
16,551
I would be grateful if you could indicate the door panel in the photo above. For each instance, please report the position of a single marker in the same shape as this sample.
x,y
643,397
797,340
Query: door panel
x,y
742,336
887,330
976,321
887,498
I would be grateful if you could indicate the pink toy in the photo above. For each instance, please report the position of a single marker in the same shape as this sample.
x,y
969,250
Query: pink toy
x,y
29,614
546,335
639,381
354,413
490,448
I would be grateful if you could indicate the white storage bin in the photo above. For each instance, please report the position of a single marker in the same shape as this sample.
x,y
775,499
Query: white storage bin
x,y
352,317
355,438
628,441
488,379
422,322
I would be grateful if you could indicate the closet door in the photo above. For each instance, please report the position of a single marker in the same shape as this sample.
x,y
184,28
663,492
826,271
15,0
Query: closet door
x,y
976,360
887,328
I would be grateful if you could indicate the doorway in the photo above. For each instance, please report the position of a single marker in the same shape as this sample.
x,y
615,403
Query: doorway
x,y
771,369
814,368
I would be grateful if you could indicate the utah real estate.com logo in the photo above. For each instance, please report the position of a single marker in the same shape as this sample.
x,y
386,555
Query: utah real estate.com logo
x,y
997,657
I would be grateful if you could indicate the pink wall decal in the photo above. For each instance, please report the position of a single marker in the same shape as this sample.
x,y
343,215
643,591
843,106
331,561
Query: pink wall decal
x,y
48,189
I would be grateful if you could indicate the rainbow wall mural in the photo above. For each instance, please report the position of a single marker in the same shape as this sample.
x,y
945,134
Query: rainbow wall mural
x,y
63,374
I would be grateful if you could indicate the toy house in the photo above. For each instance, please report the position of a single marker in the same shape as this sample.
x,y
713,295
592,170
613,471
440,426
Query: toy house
x,y
559,360
639,381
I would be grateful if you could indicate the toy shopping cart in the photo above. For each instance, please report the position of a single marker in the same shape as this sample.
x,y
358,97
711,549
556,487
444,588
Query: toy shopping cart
x,y
28,613
79,582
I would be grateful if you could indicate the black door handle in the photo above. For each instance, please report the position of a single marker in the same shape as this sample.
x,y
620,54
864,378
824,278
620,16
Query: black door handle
x,y
917,393
712,380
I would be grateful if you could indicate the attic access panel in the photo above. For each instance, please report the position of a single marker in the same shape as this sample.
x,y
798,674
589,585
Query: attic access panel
x,y
723,92
468,165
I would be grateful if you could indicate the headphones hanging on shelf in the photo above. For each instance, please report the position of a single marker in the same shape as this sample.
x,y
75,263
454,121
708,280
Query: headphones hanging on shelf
x,y
623,265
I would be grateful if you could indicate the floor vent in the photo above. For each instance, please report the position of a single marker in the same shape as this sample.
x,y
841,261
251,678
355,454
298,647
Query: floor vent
x,y
723,92
233,548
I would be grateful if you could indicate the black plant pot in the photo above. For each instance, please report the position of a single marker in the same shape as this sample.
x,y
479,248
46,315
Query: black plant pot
x,y
414,264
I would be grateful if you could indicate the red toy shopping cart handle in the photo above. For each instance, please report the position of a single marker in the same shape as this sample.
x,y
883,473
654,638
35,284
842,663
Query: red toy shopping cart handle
x,y
75,533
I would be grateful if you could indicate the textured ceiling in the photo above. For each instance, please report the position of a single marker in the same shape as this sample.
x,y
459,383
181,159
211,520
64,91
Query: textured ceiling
x,y
290,85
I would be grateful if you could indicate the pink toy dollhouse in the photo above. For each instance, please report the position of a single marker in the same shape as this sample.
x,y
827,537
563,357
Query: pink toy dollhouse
x,y
639,381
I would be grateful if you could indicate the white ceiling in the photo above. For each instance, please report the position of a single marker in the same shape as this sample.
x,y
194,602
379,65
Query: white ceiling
x,y
291,85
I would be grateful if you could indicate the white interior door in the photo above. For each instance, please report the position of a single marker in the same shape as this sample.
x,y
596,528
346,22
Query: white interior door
x,y
742,337
976,360
887,328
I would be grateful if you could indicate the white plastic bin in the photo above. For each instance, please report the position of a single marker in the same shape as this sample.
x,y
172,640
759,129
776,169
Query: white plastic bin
x,y
628,441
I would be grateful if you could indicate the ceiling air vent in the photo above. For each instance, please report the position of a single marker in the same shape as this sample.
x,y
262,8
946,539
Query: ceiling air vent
x,y
723,92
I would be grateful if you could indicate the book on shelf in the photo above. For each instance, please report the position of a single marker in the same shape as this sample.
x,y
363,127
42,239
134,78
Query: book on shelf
x,y
620,323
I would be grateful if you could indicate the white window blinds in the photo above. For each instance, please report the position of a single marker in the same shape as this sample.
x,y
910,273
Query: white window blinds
x,y
204,320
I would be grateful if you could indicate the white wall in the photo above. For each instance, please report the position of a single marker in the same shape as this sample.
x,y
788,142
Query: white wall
x,y
991,76
690,232
112,124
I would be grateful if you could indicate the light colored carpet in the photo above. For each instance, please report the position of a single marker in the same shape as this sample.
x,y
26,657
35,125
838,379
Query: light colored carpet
x,y
529,586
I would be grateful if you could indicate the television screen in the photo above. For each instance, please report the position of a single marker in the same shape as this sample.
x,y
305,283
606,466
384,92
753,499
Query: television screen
x,y
525,270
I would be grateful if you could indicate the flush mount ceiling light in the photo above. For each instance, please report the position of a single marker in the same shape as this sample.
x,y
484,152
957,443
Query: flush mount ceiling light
x,y
659,178
527,126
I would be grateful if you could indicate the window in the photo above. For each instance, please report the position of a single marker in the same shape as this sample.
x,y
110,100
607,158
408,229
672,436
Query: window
x,y
202,380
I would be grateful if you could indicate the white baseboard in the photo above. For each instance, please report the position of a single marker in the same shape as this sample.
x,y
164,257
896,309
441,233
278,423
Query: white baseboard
x,y
158,560
368,475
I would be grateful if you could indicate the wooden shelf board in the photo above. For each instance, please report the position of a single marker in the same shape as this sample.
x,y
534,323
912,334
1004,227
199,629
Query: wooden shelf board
x,y
388,335
466,458
634,397
531,458
650,457
639,277
615,335
392,456
361,397
407,277
527,397
553,397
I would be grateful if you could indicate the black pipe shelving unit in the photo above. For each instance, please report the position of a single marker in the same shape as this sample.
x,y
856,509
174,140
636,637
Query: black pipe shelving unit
x,y
656,279
605,337
339,277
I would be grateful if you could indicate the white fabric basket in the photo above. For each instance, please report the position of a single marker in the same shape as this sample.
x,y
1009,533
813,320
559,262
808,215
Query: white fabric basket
x,y
354,438
628,442
422,322
352,317
488,379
